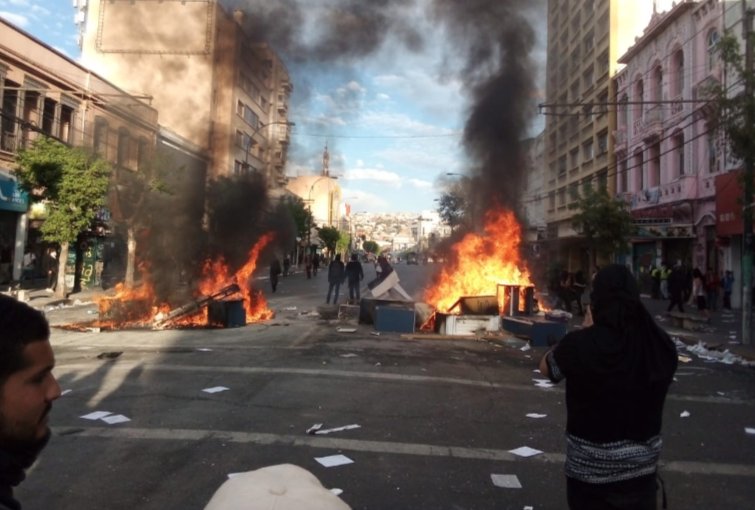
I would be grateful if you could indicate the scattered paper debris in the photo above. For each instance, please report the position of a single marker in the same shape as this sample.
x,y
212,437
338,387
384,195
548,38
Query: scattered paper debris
x,y
65,392
233,475
506,481
115,418
528,507
721,393
525,451
334,460
536,415
337,429
378,364
749,430
684,414
543,383
375,333
684,359
290,308
525,347
337,492
96,415
346,330
204,349
349,355
215,389
314,428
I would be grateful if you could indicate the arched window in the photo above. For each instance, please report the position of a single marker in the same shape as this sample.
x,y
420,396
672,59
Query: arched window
x,y
713,38
623,120
638,169
679,153
678,69
658,84
623,180
99,144
712,152
123,148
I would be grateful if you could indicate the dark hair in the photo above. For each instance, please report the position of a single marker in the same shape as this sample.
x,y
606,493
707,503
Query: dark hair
x,y
20,325
354,256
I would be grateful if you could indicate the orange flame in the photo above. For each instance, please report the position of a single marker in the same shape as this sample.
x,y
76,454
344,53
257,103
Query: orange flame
x,y
481,262
138,307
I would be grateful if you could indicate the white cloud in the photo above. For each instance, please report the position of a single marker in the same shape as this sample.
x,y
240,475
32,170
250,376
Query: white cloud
x,y
17,19
420,184
383,97
373,174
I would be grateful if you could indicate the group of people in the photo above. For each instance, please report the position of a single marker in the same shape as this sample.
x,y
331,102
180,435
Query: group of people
x,y
338,273
571,287
618,372
680,286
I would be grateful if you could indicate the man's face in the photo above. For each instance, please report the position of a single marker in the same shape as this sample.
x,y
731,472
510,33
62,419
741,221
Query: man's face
x,y
27,395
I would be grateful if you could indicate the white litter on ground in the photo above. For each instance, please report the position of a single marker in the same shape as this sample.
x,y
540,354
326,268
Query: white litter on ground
x,y
749,430
334,460
684,414
536,415
115,418
711,356
215,389
65,392
506,481
525,451
96,415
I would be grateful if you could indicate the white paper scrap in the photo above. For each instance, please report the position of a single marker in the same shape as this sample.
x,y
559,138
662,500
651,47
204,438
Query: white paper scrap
x,y
685,414
525,451
290,308
506,481
215,389
234,475
349,355
204,349
346,330
115,418
334,460
336,491
65,392
314,428
96,415
542,381
750,430
536,415
337,429
529,507
525,347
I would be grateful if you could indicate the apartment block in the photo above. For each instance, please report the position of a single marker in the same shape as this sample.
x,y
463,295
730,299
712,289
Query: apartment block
x,y
212,83
585,40
43,92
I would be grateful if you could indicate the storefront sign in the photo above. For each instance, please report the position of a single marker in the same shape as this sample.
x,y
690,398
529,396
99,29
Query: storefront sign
x,y
729,204
11,196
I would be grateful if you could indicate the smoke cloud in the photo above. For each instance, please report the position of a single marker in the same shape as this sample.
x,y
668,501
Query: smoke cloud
x,y
488,49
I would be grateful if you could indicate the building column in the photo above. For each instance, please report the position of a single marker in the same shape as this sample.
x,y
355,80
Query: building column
x,y
22,231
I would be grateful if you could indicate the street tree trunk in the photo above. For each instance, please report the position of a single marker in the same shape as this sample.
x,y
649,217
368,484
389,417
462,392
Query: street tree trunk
x,y
130,257
60,286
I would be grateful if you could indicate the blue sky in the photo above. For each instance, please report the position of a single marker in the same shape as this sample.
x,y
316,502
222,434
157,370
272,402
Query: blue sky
x,y
393,122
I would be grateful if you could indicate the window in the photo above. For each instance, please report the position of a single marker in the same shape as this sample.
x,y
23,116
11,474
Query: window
x,y
588,78
587,154
562,197
712,153
623,181
247,114
100,137
679,153
562,166
574,158
638,170
602,103
678,70
573,192
603,181
66,121
658,84
123,148
654,170
602,142
713,39
141,154
623,111
238,168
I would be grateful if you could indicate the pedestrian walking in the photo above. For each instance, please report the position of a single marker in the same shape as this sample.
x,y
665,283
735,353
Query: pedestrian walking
x,y
27,391
315,263
275,271
618,372
286,265
698,292
336,276
677,281
52,268
655,274
727,283
665,272
308,265
355,275
712,287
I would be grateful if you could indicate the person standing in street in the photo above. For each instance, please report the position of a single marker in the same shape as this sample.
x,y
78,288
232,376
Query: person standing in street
x,y
712,284
275,271
618,372
336,275
355,275
315,263
308,265
27,391
727,284
698,292
676,283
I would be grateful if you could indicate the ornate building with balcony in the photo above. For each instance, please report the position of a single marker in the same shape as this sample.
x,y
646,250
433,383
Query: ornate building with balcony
x,y
213,83
45,93
667,154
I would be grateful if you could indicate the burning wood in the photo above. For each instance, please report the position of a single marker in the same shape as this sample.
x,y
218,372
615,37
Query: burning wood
x,y
196,305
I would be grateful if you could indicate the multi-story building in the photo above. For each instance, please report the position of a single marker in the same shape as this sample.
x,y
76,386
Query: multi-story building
x,y
585,39
212,83
533,201
43,92
667,152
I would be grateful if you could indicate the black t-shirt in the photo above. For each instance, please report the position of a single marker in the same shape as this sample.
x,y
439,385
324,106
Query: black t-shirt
x,y
604,402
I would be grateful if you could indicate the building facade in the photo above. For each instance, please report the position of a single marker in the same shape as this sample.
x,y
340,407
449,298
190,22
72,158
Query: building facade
x,y
45,93
668,153
213,84
585,39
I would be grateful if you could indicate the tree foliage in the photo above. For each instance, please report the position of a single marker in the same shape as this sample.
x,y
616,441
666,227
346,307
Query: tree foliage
x,y
71,181
603,221
329,236
371,247
452,208
301,215
732,108
342,246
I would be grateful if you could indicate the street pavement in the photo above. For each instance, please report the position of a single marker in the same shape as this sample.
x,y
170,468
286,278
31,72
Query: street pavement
x,y
437,417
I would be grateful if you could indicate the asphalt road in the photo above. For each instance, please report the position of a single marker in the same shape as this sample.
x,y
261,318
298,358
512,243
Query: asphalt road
x,y
437,417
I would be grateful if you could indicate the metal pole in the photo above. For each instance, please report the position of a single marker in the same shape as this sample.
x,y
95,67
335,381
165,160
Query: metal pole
x,y
747,251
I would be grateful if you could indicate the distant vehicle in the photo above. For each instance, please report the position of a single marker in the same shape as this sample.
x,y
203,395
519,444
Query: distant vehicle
x,y
411,258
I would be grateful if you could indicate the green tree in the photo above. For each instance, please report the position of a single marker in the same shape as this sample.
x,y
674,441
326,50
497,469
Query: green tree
x,y
342,246
370,247
72,182
452,208
604,222
301,215
330,236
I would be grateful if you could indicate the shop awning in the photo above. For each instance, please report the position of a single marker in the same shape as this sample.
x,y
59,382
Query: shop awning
x,y
11,196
